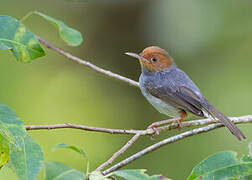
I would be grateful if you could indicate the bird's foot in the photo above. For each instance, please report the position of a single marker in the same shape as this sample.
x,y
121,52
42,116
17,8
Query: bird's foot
x,y
154,128
183,115
179,125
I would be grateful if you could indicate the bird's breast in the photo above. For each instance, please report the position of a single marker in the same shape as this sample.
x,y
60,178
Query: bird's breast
x,y
157,103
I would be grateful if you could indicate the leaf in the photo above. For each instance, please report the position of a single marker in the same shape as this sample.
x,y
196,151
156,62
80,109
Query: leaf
x,y
96,175
137,174
18,38
74,148
27,162
59,171
3,46
4,150
222,165
69,35
25,155
11,126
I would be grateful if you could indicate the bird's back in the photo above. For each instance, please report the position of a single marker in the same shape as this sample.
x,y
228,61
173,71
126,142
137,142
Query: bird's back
x,y
173,87
168,81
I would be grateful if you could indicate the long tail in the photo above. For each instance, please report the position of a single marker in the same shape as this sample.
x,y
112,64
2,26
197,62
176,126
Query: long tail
x,y
227,122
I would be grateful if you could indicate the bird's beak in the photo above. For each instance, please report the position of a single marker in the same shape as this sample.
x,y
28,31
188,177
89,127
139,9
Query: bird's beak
x,y
135,55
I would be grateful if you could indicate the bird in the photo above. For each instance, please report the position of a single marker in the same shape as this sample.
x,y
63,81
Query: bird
x,y
171,91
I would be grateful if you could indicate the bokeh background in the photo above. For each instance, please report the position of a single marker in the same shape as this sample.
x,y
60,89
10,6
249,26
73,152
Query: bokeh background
x,y
210,40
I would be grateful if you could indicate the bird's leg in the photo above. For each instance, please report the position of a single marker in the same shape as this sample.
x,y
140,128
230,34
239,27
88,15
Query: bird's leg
x,y
182,115
158,123
179,119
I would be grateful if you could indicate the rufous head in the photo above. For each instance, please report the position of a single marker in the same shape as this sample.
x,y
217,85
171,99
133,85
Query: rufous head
x,y
153,58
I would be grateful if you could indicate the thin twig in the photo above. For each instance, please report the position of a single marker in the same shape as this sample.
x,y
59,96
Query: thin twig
x,y
26,16
119,152
241,119
86,128
171,140
88,64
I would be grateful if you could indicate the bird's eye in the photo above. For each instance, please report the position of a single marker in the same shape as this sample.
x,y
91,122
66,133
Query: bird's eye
x,y
154,58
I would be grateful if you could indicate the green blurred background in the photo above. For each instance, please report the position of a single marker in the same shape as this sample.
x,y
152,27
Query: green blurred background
x,y
210,40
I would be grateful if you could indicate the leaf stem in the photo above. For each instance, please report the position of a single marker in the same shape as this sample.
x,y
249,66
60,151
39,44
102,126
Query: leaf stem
x,y
27,16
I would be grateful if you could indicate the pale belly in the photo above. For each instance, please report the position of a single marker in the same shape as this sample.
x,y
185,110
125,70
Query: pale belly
x,y
160,105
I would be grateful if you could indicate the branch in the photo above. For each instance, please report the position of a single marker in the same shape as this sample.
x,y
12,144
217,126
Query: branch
x,y
241,119
118,153
138,133
88,64
244,119
86,128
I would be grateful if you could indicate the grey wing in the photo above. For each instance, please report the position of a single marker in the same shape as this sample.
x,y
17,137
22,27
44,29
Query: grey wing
x,y
177,90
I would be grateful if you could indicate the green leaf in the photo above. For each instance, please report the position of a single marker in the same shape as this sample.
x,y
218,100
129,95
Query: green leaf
x,y
59,171
25,155
69,35
3,46
74,148
137,174
27,162
222,165
11,126
15,36
96,175
4,150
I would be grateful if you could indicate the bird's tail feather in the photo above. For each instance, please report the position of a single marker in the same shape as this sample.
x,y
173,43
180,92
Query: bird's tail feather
x,y
225,120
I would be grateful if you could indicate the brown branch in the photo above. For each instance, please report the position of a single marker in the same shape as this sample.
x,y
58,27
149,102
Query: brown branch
x,y
245,119
119,152
241,119
88,64
86,128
